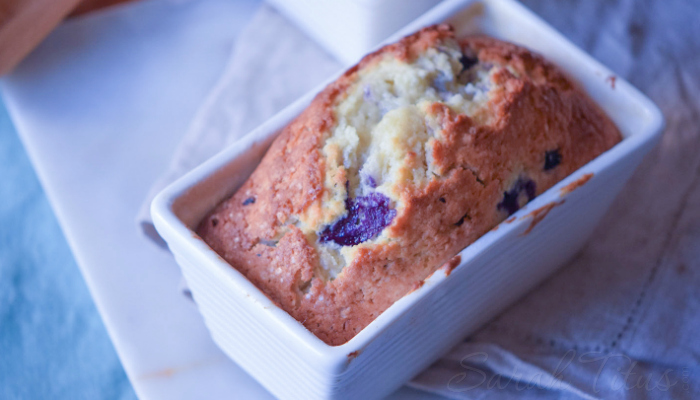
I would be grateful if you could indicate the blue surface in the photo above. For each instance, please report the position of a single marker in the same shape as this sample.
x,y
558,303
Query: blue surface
x,y
53,344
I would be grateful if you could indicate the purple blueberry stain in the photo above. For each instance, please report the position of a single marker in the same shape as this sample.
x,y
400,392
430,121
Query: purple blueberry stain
x,y
468,62
552,158
367,94
471,75
249,200
371,182
461,220
440,84
522,191
367,216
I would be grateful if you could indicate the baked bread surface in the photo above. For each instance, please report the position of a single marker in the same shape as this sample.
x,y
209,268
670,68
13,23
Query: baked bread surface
x,y
395,167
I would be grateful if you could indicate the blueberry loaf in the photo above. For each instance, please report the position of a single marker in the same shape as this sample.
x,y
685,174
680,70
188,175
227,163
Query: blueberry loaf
x,y
395,167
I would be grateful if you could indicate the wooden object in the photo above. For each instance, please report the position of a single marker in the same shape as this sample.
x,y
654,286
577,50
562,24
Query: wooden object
x,y
25,23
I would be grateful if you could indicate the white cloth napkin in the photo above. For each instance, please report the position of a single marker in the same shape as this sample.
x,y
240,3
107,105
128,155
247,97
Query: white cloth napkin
x,y
623,319
273,63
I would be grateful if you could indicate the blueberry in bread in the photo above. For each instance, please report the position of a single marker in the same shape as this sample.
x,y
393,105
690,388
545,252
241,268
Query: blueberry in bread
x,y
395,167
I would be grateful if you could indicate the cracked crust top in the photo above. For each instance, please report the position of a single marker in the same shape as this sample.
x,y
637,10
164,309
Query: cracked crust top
x,y
395,167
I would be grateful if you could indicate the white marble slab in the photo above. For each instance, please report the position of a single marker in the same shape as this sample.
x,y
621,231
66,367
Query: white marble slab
x,y
100,107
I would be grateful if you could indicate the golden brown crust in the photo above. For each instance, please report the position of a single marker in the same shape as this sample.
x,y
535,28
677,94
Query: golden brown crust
x,y
534,109
576,184
539,214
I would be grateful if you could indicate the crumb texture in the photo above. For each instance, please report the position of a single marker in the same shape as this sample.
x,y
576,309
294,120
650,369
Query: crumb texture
x,y
395,167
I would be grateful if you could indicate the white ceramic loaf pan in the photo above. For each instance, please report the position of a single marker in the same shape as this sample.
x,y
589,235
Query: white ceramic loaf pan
x,y
494,271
